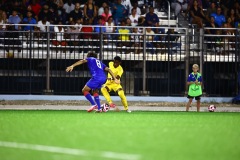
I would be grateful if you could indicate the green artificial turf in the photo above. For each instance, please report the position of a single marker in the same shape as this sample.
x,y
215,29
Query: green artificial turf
x,y
143,135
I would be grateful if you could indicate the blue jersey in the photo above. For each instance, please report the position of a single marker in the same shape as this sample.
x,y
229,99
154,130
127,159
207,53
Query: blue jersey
x,y
193,77
96,67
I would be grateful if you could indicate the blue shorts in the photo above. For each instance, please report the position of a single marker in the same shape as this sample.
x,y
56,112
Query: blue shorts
x,y
94,83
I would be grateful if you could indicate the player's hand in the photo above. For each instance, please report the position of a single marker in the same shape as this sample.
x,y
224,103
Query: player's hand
x,y
117,81
69,69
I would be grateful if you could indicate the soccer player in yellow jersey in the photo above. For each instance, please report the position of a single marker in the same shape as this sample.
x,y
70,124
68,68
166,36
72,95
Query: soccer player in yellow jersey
x,y
109,86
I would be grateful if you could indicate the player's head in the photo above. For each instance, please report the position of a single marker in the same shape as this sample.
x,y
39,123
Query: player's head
x,y
92,54
195,68
117,61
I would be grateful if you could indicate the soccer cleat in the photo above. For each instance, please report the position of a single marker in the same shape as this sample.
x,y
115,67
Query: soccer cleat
x,y
92,108
112,105
128,111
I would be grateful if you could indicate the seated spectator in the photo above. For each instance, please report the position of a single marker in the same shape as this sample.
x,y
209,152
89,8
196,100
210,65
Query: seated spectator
x,y
105,15
45,13
90,10
219,17
118,12
110,28
67,8
228,39
3,22
197,15
78,23
87,35
59,36
29,20
212,32
138,10
29,9
101,9
76,13
211,9
36,7
232,14
136,38
190,5
149,40
218,45
73,34
123,37
134,17
99,28
11,39
15,19
151,19
178,6
172,40
41,30
59,9
128,22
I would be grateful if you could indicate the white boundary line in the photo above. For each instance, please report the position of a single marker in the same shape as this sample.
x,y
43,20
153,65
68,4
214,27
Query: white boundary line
x,y
70,151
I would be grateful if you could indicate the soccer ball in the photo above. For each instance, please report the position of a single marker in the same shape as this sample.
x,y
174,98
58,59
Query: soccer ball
x,y
211,108
105,107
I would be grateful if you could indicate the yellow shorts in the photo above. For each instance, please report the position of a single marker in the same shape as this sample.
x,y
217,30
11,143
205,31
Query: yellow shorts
x,y
111,85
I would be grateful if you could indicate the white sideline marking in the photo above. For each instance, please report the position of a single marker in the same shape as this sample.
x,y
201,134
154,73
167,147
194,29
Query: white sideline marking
x,y
70,151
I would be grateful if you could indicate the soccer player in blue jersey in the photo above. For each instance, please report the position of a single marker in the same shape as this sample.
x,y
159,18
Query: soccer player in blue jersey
x,y
99,77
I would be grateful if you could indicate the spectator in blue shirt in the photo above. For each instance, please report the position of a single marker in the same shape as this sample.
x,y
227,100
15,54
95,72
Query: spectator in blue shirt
x,y
14,19
29,20
118,12
219,17
152,19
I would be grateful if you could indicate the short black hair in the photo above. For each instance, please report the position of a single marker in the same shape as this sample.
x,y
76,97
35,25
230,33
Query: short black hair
x,y
117,58
92,54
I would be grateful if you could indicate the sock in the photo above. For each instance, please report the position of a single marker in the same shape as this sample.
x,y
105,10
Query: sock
x,y
106,95
97,100
123,99
89,97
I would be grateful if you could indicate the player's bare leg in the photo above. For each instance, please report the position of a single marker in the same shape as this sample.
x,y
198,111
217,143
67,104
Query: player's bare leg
x,y
188,104
198,105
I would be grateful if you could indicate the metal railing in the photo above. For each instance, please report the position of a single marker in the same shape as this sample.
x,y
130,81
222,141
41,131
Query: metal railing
x,y
34,63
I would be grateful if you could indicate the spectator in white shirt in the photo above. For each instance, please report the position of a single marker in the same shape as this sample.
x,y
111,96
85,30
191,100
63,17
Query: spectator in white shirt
x,y
134,17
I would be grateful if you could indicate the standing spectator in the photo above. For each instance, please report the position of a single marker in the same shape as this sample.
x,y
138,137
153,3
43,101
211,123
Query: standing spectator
x,y
105,15
90,10
76,13
172,40
15,19
136,37
134,17
118,12
219,17
149,40
210,31
195,87
232,14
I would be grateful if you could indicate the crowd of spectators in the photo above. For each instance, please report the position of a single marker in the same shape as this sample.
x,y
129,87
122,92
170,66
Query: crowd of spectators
x,y
111,14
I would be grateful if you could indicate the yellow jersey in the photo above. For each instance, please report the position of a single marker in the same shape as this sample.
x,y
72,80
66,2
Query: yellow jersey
x,y
116,71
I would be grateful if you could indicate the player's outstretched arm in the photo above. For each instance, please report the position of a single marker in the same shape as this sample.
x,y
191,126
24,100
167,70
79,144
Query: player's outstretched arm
x,y
113,76
70,68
